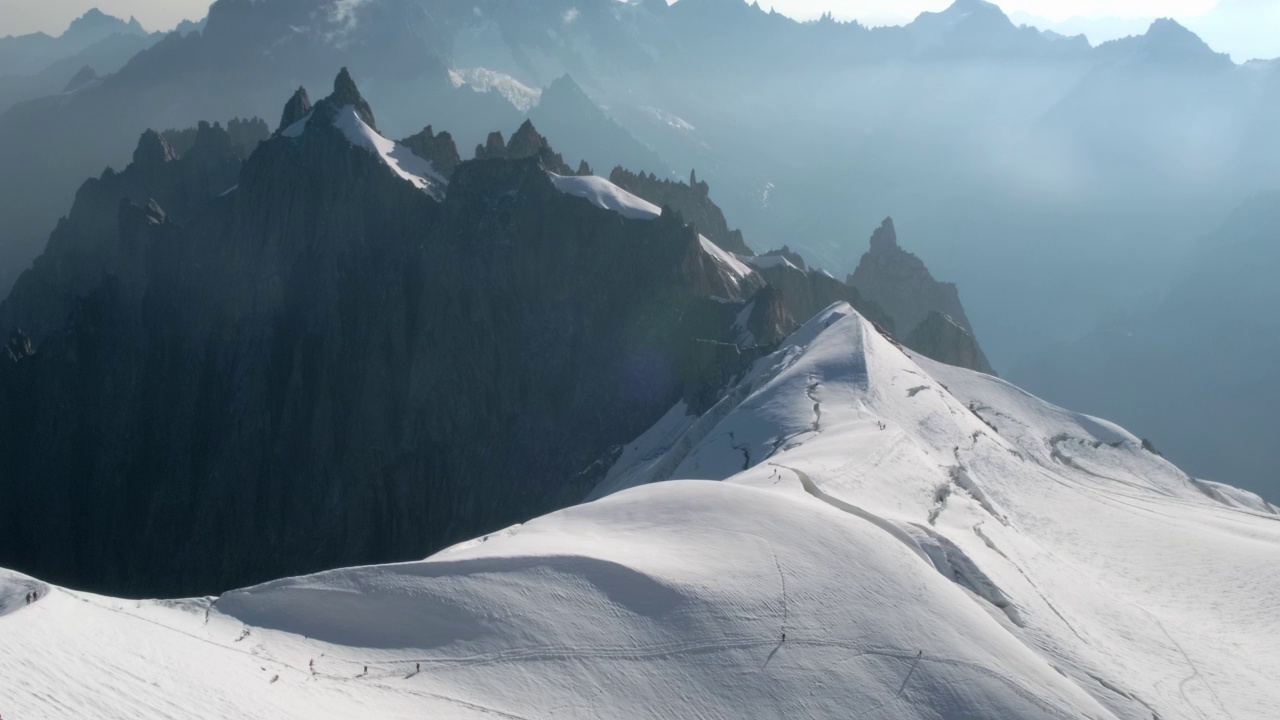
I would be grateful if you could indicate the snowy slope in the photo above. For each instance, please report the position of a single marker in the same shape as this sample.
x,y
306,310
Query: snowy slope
x,y
893,538
605,195
484,80
402,161
1147,587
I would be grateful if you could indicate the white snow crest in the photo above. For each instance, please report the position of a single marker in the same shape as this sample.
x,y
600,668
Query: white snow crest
x,y
482,80
606,196
402,161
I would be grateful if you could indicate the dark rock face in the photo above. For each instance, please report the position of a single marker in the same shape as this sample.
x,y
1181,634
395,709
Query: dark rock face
x,y
325,366
153,151
899,282
794,293
87,244
245,60
770,320
346,93
439,149
296,109
525,143
943,339
693,200
807,293
494,147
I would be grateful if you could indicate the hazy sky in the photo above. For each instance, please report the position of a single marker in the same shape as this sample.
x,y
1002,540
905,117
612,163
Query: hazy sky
x,y
898,11
1244,28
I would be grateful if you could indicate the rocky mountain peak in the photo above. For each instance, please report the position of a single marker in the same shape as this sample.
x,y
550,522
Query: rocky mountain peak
x,y
495,146
346,93
963,7
99,24
885,238
899,282
1166,43
296,109
397,349
1167,36
961,12
565,89
153,151
440,149
526,142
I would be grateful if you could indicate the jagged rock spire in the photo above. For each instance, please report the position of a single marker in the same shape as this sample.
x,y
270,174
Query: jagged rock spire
x,y
153,150
439,149
494,147
885,237
346,93
296,109
526,142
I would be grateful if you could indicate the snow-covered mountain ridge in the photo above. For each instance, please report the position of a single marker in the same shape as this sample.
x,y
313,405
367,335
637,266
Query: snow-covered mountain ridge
x,y
890,538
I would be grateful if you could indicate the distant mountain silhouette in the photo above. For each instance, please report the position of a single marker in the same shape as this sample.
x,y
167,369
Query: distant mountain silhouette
x,y
1197,375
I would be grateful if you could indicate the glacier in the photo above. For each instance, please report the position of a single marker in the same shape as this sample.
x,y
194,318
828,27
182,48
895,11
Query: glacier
x,y
853,531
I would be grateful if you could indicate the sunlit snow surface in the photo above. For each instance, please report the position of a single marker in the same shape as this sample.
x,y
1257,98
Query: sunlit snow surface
x,y
399,158
605,195
933,543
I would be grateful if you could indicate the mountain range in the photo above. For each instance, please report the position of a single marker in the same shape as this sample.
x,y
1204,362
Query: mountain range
x,y
851,530
451,394
37,65
320,342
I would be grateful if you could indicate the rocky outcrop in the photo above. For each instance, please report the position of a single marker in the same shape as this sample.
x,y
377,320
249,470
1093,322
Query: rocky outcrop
x,y
770,319
346,93
86,245
243,135
693,200
439,149
806,293
294,110
525,143
787,254
153,151
943,339
899,282
327,366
